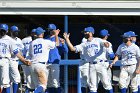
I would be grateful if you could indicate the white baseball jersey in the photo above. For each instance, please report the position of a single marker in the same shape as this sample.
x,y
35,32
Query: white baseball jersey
x,y
7,46
129,54
107,51
26,42
81,53
20,47
39,50
90,49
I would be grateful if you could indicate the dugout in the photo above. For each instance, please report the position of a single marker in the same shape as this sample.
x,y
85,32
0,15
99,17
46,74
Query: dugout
x,y
115,16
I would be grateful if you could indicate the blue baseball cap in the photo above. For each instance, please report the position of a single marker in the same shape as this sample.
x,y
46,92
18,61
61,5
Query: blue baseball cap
x,y
89,29
4,27
33,30
126,35
104,32
14,29
52,27
132,34
39,31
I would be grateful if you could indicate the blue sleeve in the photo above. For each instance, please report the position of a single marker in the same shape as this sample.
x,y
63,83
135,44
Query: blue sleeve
x,y
111,56
15,51
62,48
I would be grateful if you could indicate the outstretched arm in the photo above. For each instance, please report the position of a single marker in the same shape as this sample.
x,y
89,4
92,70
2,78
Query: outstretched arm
x,y
24,61
66,37
114,61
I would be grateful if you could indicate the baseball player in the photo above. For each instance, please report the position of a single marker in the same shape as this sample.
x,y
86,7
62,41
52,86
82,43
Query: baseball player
x,y
92,51
84,71
26,69
133,38
108,51
130,55
53,66
8,47
14,61
39,53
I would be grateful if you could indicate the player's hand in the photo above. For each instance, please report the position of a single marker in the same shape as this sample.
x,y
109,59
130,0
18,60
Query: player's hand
x,y
62,40
57,32
27,62
66,36
110,65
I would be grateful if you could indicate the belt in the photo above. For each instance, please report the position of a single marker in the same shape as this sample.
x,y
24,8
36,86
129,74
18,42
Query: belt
x,y
3,57
42,62
95,62
129,65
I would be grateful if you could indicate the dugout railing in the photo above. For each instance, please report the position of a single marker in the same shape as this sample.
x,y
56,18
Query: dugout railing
x,y
67,82
66,63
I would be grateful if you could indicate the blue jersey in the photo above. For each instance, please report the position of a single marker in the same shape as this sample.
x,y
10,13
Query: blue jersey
x,y
55,54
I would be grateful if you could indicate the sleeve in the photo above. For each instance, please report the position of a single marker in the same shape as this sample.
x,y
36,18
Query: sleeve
x,y
79,48
13,47
29,51
21,45
101,41
62,48
118,52
110,52
84,40
51,44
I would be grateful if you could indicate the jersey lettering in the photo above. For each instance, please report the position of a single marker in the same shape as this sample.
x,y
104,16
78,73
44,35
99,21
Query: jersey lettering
x,y
92,45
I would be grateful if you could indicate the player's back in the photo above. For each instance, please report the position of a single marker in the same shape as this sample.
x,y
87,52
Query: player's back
x,y
26,42
39,50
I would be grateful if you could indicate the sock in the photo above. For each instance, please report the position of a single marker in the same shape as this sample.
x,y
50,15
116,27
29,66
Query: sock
x,y
15,87
38,89
83,89
110,91
7,90
123,90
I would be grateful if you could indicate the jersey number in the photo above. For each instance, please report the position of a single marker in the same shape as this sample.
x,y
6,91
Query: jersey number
x,y
37,48
4,51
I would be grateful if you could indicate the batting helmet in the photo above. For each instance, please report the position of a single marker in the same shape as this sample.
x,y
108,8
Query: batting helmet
x,y
89,29
14,29
39,31
126,35
52,27
4,27
132,34
104,32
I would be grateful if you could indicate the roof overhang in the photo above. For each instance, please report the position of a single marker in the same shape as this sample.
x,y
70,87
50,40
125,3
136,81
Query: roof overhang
x,y
70,8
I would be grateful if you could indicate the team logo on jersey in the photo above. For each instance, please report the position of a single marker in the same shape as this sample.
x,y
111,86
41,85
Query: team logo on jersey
x,y
92,45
